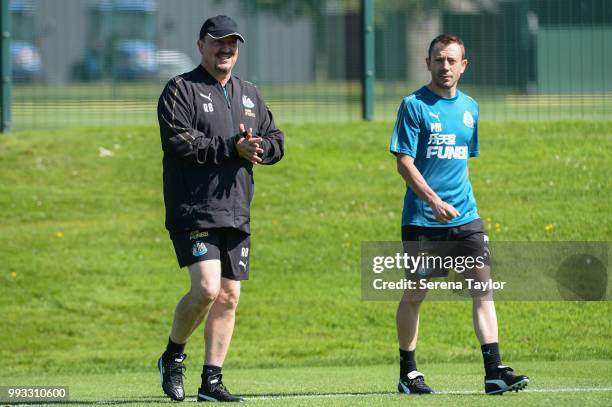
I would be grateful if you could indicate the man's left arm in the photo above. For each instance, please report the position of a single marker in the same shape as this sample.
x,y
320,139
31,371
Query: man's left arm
x,y
273,143
473,146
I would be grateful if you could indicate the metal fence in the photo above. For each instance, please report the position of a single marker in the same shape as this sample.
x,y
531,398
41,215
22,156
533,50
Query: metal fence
x,y
104,62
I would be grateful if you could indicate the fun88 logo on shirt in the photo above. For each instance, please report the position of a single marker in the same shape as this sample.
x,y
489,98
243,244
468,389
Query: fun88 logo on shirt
x,y
443,146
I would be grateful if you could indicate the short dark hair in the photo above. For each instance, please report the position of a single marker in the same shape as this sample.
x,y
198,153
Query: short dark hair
x,y
447,39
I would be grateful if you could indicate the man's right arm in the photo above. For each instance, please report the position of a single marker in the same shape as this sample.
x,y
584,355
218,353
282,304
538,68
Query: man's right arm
x,y
443,211
179,138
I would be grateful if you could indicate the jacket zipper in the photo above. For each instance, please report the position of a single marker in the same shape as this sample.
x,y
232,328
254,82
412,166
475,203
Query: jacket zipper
x,y
229,106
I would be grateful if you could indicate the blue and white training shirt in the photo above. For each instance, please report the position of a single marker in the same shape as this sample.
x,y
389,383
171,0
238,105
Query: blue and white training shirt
x,y
440,134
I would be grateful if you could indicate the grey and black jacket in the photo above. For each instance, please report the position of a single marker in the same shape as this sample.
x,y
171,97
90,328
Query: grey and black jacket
x,y
206,183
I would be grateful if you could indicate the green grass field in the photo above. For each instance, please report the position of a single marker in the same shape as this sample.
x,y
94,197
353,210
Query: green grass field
x,y
44,107
457,384
88,278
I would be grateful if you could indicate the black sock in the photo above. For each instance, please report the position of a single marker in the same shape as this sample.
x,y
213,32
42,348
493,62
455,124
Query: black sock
x,y
407,361
490,354
173,348
210,370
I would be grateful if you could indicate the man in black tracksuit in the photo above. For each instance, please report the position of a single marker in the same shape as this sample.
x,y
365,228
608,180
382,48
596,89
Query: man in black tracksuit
x,y
214,128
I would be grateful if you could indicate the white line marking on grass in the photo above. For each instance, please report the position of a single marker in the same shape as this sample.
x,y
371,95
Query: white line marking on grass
x,y
451,392
578,390
317,396
563,390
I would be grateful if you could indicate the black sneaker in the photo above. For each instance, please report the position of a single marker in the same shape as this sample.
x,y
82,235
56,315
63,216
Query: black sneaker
x,y
213,390
171,375
502,380
413,383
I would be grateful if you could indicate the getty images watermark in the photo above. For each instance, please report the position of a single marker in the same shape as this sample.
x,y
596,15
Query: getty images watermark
x,y
420,270
530,271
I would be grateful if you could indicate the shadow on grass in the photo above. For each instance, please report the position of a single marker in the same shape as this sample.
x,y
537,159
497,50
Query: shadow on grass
x,y
140,400
251,396
255,396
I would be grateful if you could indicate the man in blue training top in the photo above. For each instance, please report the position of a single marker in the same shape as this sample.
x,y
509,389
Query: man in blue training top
x,y
435,133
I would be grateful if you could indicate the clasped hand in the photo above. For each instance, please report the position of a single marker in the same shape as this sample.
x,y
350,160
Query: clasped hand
x,y
249,147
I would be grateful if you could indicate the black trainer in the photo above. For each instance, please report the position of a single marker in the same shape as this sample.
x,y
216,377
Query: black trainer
x,y
502,380
413,383
213,390
171,375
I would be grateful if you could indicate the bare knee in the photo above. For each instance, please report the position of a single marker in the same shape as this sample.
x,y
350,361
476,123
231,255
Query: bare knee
x,y
408,307
205,282
482,299
203,294
413,298
228,299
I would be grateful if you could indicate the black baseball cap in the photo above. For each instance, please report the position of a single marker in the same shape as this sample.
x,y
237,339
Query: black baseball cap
x,y
220,27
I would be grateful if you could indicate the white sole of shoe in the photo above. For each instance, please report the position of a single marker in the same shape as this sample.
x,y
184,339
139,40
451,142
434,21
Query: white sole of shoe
x,y
520,385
